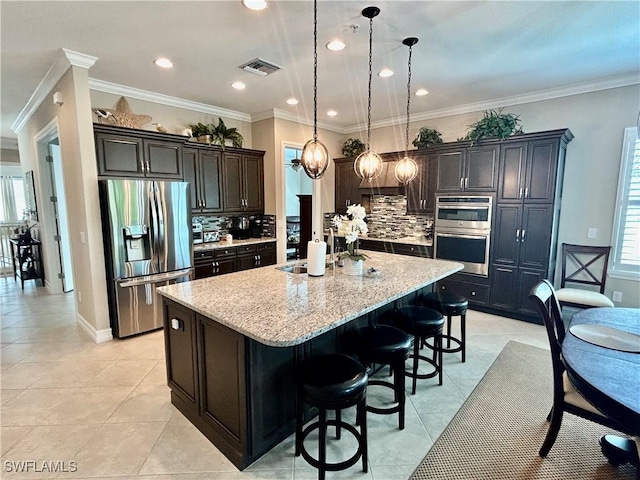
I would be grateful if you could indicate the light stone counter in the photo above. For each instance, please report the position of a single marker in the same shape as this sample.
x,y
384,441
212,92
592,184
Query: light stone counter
x,y
282,309
224,244
405,240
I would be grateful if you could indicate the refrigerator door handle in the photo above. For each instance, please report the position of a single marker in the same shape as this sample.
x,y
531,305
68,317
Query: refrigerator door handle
x,y
160,277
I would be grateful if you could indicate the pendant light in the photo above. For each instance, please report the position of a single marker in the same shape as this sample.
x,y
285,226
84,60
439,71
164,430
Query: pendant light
x,y
368,164
406,169
315,156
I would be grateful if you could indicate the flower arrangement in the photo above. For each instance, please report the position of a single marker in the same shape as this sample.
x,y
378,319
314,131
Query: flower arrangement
x,y
351,226
352,147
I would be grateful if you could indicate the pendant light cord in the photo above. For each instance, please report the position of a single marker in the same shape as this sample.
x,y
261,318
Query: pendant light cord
x,y
315,70
406,137
370,78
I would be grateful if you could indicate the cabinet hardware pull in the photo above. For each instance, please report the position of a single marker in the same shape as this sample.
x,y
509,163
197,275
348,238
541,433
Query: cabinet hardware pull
x,y
520,194
526,192
148,167
517,236
461,183
522,235
466,182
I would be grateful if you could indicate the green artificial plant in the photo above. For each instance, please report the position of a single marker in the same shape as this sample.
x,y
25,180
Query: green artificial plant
x,y
427,136
352,147
494,124
220,134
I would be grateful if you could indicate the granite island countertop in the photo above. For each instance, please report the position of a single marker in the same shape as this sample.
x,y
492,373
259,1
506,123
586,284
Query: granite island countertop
x,y
224,244
284,309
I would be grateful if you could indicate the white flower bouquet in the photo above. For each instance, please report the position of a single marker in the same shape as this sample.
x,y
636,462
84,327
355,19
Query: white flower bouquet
x,y
351,226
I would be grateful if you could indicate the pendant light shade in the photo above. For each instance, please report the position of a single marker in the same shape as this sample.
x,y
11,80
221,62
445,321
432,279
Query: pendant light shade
x,y
407,169
368,165
315,156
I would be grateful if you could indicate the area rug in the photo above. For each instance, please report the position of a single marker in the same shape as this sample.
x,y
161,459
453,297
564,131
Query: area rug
x,y
498,431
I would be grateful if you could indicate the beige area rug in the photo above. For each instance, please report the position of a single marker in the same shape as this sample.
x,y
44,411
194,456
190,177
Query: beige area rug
x,y
498,431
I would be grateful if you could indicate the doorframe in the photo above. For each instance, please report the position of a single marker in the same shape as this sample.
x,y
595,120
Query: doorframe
x,y
52,264
281,213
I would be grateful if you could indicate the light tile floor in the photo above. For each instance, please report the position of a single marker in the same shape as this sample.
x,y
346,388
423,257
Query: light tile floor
x,y
106,407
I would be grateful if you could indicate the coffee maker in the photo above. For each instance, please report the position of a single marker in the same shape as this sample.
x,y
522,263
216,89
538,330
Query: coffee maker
x,y
239,227
255,225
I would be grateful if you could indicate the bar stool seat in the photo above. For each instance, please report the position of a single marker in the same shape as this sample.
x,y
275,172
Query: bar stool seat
x,y
422,323
450,304
331,382
384,345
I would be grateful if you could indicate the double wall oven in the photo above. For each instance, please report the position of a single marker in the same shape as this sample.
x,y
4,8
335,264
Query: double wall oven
x,y
462,231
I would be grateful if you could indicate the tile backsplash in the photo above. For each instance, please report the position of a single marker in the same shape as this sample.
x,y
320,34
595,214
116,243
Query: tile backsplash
x,y
388,218
214,223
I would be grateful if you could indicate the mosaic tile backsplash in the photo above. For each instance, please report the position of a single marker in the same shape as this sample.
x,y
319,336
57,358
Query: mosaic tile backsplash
x,y
220,224
389,219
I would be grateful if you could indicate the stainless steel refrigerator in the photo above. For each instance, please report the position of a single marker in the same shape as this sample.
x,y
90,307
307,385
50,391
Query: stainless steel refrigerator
x,y
148,244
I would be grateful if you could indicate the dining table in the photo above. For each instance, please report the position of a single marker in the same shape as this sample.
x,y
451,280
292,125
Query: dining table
x,y
601,352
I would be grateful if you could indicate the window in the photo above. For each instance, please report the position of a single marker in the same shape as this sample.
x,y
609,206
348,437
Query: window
x,y
626,229
12,202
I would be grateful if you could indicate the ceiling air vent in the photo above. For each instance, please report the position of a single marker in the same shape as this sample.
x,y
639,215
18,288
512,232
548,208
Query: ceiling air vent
x,y
260,67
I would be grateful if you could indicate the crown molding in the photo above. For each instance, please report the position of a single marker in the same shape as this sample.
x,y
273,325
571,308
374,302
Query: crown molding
x,y
292,117
541,95
130,92
62,62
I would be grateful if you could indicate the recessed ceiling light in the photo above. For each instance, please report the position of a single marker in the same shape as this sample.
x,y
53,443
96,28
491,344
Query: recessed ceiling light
x,y
385,72
292,101
255,4
332,113
336,45
238,85
163,62
421,92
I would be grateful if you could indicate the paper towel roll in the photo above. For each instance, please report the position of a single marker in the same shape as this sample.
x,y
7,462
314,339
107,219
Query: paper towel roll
x,y
316,254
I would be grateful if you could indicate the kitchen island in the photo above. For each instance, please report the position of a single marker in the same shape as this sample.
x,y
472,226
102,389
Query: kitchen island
x,y
232,342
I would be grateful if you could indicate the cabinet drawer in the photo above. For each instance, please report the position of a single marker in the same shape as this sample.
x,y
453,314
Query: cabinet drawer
x,y
244,249
225,252
413,250
474,293
265,247
202,256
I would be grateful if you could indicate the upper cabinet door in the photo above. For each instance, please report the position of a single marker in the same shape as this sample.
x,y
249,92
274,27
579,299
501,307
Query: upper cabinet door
x,y
541,171
163,159
232,182
481,169
347,185
119,156
190,167
210,181
253,183
450,171
513,161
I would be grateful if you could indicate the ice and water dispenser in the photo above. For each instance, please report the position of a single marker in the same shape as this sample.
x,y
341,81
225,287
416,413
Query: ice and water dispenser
x,y
137,242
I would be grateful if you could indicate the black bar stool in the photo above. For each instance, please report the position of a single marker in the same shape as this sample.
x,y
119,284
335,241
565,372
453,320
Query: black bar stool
x,y
384,345
422,323
331,382
451,305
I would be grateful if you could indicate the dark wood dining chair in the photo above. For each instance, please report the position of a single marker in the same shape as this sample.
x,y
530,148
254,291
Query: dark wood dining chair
x,y
565,397
584,266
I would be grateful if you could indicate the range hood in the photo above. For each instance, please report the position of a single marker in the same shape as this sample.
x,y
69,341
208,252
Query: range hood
x,y
385,184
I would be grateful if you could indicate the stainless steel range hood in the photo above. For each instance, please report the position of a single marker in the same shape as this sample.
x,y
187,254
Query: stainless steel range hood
x,y
385,184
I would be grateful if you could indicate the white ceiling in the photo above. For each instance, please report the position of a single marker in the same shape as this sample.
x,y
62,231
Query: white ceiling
x,y
468,52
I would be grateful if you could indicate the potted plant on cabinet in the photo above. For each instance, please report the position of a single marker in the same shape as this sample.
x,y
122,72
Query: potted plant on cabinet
x,y
220,134
494,124
427,136
201,132
352,147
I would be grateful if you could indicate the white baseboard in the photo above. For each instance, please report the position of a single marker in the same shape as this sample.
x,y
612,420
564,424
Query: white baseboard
x,y
98,336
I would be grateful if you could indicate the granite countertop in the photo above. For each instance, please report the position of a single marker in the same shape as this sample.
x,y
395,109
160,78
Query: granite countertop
x,y
404,240
235,243
283,309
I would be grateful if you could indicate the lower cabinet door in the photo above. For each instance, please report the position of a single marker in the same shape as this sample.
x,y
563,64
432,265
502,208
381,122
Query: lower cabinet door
x,y
510,288
180,342
526,280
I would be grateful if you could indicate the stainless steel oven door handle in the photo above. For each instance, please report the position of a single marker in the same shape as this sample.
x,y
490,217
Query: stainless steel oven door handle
x,y
460,235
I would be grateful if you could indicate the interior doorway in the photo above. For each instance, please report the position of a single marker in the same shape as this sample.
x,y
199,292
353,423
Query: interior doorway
x,y
54,233
296,183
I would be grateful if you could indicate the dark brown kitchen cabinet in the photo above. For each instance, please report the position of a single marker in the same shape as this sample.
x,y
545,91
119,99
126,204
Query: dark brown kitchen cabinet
x,y
528,172
421,190
467,169
254,256
202,169
180,343
210,263
347,185
243,182
125,152
527,212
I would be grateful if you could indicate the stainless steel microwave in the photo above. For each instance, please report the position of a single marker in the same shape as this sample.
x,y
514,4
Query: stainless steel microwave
x,y
467,212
